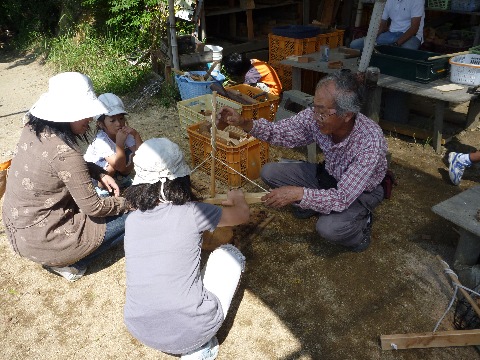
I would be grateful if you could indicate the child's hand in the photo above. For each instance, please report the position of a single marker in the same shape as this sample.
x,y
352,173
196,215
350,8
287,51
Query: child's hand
x,y
234,197
129,130
121,137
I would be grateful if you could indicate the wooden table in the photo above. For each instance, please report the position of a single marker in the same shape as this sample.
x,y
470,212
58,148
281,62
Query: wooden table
x,y
442,99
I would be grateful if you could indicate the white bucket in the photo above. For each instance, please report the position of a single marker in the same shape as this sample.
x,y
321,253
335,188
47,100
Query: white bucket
x,y
217,54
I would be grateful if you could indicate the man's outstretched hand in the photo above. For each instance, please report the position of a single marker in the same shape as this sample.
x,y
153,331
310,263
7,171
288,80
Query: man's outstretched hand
x,y
283,196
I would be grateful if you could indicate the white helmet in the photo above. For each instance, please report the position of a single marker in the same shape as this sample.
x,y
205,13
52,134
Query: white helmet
x,y
113,103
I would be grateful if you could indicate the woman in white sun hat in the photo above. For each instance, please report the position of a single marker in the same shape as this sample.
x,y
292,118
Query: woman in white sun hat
x,y
51,212
115,143
171,304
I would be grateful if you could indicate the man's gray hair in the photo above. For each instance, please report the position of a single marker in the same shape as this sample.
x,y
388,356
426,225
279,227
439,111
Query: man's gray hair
x,y
348,93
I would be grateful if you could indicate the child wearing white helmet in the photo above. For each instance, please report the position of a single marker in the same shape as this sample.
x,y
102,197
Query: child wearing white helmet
x,y
115,143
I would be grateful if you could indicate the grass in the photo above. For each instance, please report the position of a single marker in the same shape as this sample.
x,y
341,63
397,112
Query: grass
x,y
103,59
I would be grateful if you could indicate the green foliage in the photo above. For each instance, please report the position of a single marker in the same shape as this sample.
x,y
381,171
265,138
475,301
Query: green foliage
x,y
100,58
168,95
141,21
21,16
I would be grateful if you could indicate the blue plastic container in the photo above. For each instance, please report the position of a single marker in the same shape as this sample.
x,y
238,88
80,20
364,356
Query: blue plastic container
x,y
190,88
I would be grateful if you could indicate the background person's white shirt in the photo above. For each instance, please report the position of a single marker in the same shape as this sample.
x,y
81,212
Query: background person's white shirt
x,y
401,13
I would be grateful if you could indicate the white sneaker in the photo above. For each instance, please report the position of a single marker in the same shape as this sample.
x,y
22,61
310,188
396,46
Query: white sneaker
x,y
68,272
456,167
207,351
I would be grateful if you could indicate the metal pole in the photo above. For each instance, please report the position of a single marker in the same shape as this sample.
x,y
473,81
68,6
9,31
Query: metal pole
x,y
371,35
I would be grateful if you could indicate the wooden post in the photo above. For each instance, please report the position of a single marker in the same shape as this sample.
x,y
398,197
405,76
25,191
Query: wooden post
x,y
214,136
250,33
173,35
373,94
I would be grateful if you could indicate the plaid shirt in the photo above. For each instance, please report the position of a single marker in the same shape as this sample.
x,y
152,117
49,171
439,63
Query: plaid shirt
x,y
358,163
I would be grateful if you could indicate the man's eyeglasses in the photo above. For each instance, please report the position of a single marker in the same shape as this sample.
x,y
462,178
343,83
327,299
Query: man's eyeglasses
x,y
321,114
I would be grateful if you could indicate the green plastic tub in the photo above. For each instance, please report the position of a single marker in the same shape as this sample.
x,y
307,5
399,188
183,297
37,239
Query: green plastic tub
x,y
409,64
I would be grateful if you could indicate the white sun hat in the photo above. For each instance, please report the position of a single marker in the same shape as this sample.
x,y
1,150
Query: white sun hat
x,y
113,103
70,98
158,159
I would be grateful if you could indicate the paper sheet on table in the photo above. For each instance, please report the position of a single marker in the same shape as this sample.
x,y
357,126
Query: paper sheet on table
x,y
448,87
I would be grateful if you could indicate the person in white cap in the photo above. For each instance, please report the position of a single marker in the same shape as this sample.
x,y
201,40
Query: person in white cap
x,y
171,304
51,212
115,143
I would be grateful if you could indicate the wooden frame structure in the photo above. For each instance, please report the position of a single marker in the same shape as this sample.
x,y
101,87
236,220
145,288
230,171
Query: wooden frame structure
x,y
217,199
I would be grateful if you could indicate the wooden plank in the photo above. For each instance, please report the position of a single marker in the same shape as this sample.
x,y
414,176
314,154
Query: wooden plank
x,y
408,130
245,47
429,339
250,198
196,58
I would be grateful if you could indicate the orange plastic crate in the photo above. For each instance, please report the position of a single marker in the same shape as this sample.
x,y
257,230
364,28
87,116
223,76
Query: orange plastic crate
x,y
280,47
247,158
333,40
263,109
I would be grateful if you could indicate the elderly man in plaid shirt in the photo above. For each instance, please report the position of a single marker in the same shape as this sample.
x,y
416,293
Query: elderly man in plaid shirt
x,y
344,189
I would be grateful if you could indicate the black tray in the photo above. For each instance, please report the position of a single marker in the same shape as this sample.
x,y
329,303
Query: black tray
x,y
409,64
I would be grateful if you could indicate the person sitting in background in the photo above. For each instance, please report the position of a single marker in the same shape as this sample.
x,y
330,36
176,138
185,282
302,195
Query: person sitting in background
x,y
171,304
51,212
114,145
253,72
458,162
406,26
345,189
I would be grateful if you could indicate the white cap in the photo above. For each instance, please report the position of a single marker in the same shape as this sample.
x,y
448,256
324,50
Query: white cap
x,y
113,103
70,98
158,159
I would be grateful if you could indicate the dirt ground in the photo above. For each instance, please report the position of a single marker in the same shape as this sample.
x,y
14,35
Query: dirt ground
x,y
300,297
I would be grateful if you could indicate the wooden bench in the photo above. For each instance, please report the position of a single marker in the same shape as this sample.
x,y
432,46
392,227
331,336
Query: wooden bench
x,y
461,210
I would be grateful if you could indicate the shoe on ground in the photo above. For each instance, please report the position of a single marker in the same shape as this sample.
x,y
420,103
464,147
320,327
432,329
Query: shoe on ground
x,y
300,213
455,168
207,351
68,272
367,233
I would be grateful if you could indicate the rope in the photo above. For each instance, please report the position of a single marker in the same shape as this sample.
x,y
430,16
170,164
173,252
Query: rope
x,y
246,178
456,286
243,176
